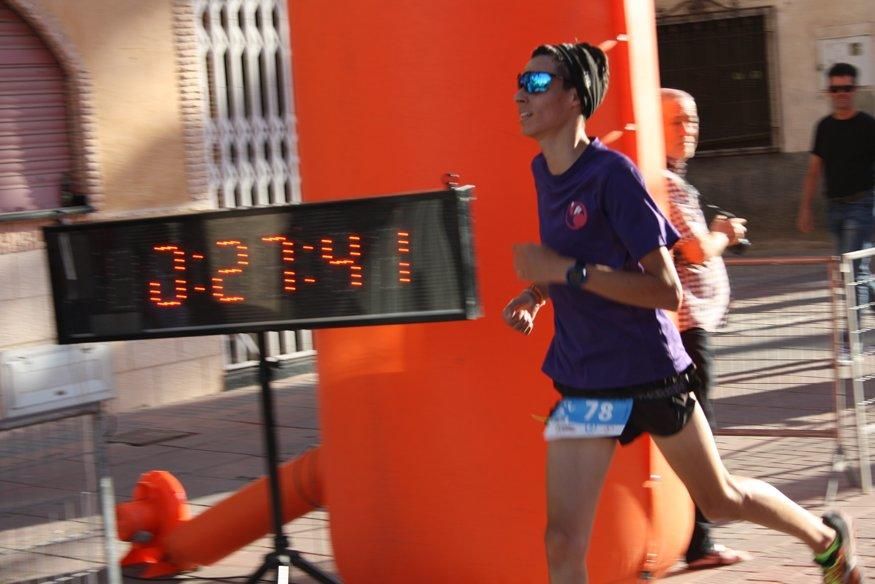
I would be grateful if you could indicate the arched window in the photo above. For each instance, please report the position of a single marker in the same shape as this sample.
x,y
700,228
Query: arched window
x,y
35,154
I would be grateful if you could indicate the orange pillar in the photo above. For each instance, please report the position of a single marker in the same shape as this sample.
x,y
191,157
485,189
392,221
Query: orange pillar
x,y
433,467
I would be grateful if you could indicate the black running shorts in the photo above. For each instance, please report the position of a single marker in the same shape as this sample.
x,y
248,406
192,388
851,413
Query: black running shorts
x,y
660,416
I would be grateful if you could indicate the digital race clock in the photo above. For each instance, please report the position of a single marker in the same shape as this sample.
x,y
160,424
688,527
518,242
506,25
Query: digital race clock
x,y
394,259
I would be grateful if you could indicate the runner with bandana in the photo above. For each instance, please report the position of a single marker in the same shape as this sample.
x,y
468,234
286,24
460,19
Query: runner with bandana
x,y
616,358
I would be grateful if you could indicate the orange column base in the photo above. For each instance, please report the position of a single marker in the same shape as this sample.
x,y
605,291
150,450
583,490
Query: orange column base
x,y
176,543
157,508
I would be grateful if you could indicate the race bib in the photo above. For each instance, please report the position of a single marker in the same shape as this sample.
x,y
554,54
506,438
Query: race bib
x,y
581,417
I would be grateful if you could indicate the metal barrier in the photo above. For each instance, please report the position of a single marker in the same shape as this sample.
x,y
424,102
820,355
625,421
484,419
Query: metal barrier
x,y
860,323
777,357
57,521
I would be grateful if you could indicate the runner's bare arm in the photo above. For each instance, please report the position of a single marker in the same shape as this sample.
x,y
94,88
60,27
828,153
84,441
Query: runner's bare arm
x,y
658,287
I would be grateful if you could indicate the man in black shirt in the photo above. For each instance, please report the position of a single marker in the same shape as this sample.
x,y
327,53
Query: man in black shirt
x,y
844,152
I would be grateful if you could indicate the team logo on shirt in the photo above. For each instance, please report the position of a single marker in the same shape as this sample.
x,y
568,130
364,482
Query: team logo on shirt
x,y
576,215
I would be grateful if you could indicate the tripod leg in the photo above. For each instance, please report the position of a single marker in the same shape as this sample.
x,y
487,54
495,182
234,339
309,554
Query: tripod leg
x,y
282,555
278,561
262,570
282,575
310,569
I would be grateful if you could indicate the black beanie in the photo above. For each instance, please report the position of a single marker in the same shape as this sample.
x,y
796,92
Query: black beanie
x,y
588,69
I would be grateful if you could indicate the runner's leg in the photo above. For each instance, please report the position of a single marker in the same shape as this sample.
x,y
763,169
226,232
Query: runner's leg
x,y
576,470
692,453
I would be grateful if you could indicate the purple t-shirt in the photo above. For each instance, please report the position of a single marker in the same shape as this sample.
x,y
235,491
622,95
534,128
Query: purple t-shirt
x,y
598,211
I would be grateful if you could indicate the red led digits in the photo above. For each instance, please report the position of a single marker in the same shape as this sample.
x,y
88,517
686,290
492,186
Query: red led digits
x,y
288,257
355,252
308,279
200,257
179,283
237,268
405,269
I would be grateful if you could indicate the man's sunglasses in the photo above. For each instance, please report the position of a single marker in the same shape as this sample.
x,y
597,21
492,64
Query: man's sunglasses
x,y
536,81
842,88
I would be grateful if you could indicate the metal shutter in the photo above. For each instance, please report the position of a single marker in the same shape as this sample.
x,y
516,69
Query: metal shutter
x,y
34,140
724,63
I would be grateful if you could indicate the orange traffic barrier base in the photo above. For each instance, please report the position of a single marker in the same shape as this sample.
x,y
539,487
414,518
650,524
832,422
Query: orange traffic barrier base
x,y
164,538
158,507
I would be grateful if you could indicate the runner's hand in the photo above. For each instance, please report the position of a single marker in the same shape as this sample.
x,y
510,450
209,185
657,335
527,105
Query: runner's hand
x,y
520,312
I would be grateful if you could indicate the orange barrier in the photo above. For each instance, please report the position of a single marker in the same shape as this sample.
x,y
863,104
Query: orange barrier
x,y
433,467
174,543
157,508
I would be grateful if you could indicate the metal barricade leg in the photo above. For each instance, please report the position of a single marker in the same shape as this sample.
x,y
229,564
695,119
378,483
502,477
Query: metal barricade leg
x,y
838,464
106,496
857,355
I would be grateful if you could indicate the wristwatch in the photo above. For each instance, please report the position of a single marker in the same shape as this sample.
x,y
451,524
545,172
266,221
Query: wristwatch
x,y
576,276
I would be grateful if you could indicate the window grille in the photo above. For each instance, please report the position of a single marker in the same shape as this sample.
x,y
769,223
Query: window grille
x,y
253,157
722,61
250,134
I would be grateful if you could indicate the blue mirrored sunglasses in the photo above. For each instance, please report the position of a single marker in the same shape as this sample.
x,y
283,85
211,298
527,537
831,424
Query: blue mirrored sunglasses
x,y
536,81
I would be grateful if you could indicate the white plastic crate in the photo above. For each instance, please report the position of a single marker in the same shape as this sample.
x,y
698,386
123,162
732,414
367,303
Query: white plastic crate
x,y
37,380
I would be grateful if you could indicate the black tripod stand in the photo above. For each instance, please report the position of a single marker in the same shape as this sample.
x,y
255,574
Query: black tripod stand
x,y
281,557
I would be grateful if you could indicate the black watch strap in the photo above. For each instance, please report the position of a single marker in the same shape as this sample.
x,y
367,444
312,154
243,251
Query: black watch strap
x,y
577,274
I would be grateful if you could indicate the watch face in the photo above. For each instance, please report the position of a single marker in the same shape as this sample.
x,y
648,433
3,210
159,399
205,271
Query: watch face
x,y
576,275
569,276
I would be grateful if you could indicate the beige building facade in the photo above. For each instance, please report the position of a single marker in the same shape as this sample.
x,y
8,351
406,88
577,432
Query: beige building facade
x,y
800,34
136,116
802,39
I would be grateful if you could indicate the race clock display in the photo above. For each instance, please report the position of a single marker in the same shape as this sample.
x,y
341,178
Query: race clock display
x,y
394,259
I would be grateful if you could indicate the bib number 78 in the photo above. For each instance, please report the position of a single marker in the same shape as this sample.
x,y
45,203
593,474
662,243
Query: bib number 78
x,y
605,410
580,417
